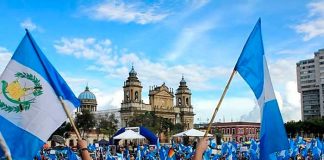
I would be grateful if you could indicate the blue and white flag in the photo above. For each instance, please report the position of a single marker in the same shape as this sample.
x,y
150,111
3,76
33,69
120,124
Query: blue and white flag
x,y
252,66
30,109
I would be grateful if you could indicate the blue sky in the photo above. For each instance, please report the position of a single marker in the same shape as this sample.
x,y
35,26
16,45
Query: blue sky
x,y
96,42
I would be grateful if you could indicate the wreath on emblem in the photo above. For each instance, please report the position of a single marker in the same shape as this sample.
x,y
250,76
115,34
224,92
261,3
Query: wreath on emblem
x,y
23,97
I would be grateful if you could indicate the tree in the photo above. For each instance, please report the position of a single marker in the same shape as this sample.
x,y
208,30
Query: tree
x,y
85,121
177,128
313,127
112,124
107,125
152,122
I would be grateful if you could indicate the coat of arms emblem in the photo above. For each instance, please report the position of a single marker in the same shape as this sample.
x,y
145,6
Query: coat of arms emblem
x,y
20,93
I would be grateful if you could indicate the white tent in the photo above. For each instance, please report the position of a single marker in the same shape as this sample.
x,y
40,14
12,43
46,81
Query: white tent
x,y
129,134
192,133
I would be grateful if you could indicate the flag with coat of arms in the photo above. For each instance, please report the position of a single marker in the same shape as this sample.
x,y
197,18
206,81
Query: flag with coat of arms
x,y
30,108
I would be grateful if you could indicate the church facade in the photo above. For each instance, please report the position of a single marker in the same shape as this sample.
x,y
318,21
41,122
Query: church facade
x,y
163,101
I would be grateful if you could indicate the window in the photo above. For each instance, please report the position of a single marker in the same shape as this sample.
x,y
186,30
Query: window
x,y
131,95
233,130
187,101
240,131
179,101
136,95
127,95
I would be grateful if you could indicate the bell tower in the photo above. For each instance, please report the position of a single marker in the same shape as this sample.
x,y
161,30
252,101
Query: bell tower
x,y
132,101
183,95
183,102
132,88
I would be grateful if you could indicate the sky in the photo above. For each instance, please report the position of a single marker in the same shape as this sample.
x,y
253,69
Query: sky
x,y
96,43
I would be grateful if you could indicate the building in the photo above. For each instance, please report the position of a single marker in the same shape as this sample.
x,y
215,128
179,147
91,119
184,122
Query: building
x,y
161,101
88,101
310,82
237,131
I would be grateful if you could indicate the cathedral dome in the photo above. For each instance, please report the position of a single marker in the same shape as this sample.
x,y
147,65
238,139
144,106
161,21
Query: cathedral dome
x,y
87,94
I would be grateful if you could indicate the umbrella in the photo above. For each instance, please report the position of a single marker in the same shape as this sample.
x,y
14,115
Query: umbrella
x,y
129,134
192,133
58,139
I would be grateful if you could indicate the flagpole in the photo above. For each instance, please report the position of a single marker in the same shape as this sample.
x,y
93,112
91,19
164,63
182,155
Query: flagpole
x,y
220,102
4,148
70,118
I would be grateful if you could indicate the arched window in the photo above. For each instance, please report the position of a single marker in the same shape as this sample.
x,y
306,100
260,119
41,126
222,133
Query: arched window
x,y
132,96
127,95
179,101
136,95
187,101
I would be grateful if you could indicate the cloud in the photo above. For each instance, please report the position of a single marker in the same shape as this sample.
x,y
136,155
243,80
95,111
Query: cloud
x,y
108,100
5,56
231,108
116,63
28,24
196,4
83,48
125,12
189,37
313,26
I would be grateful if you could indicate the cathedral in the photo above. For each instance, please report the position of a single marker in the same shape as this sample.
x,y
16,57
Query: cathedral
x,y
161,102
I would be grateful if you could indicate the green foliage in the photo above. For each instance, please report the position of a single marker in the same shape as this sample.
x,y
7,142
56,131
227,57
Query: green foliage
x,y
107,125
85,121
315,126
154,123
177,128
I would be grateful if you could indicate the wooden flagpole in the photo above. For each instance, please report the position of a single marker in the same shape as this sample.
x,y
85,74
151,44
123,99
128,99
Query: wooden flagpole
x,y
220,102
70,118
4,148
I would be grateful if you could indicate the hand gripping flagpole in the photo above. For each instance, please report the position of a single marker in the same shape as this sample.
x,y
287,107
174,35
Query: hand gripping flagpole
x,y
70,118
4,148
220,102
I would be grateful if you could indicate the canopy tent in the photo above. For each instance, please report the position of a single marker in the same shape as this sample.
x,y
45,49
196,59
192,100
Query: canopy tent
x,y
129,134
192,133
150,136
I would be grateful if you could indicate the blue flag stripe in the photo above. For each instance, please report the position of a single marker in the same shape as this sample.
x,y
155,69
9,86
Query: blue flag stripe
x,y
273,134
17,148
250,64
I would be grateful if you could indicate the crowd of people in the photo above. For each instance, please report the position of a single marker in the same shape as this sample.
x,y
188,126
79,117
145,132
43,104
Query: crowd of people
x,y
206,149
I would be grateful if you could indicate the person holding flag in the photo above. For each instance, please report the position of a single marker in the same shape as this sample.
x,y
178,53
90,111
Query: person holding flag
x,y
32,94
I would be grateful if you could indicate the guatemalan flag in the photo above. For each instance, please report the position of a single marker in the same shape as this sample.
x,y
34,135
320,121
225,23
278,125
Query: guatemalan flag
x,y
252,66
30,109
